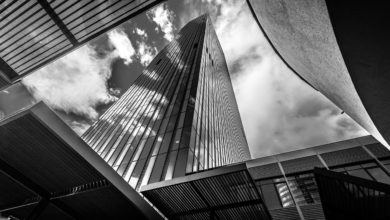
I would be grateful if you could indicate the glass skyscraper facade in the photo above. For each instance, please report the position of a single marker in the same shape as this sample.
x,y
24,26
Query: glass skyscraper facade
x,y
180,116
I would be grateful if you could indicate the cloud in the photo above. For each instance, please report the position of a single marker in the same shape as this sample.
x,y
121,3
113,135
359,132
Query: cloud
x,y
76,83
118,39
279,111
79,127
140,32
146,53
163,17
285,114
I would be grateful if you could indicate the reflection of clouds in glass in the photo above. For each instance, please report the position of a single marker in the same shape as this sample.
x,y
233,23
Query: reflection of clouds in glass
x,y
154,76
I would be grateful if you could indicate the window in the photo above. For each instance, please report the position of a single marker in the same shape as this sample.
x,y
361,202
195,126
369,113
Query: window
x,y
158,61
304,188
284,194
196,45
276,194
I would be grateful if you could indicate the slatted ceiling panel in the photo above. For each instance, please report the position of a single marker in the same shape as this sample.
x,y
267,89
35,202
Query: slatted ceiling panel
x,y
378,150
26,43
7,23
244,212
10,8
96,12
32,50
351,155
31,39
197,216
97,26
313,212
11,22
31,36
100,24
58,49
44,30
57,3
66,9
9,5
19,25
229,196
227,189
169,198
53,178
301,164
290,213
188,197
265,171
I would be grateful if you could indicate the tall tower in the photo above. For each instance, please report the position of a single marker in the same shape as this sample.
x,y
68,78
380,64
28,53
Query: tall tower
x,y
180,116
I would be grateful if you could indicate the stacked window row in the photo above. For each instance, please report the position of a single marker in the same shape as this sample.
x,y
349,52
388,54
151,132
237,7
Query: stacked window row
x,y
144,134
217,138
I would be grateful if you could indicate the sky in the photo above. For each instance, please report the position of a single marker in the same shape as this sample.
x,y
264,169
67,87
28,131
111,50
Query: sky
x,y
279,111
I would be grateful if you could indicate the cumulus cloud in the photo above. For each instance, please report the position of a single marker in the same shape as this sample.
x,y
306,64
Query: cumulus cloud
x,y
146,53
163,17
279,111
76,83
118,39
140,32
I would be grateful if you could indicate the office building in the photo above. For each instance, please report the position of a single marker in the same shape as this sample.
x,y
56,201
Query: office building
x,y
180,116
292,185
340,48
35,33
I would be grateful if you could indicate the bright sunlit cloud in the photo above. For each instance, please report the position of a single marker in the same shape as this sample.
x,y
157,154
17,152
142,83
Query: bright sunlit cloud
x,y
76,83
163,17
123,47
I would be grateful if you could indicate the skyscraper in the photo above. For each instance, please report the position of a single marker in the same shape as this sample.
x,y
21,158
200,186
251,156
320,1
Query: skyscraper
x,y
179,117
